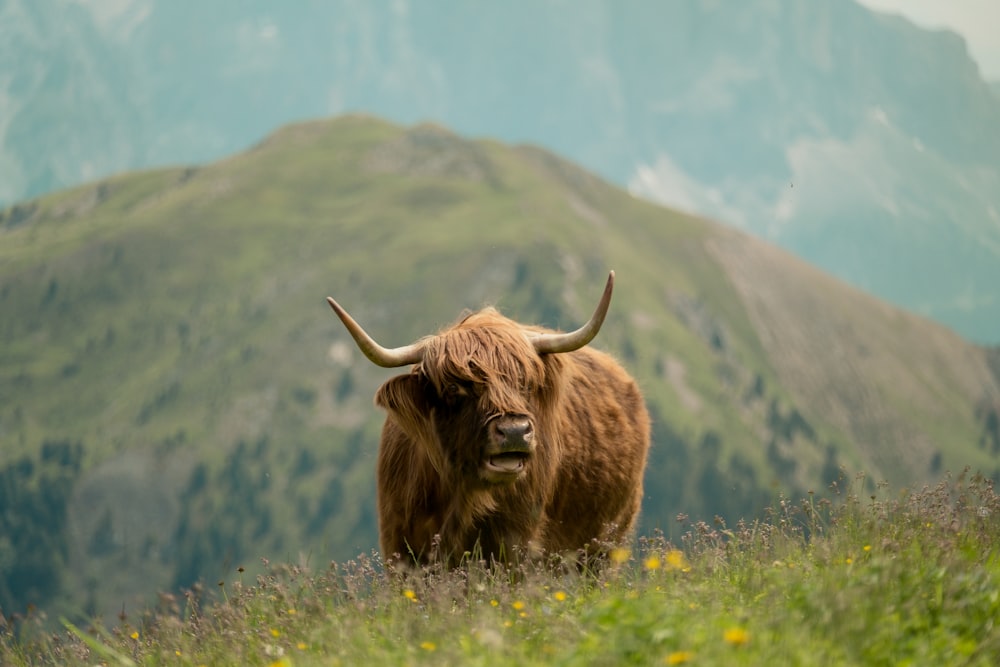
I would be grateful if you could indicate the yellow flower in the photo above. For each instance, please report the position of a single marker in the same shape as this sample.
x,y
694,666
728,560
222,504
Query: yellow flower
x,y
275,632
848,560
410,595
677,561
678,658
736,636
494,603
652,563
518,605
560,596
301,646
428,646
867,547
134,635
619,556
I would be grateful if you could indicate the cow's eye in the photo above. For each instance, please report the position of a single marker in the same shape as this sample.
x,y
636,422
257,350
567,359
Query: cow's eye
x,y
455,391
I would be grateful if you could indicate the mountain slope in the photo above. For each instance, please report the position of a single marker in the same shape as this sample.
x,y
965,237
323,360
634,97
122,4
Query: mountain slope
x,y
176,399
860,142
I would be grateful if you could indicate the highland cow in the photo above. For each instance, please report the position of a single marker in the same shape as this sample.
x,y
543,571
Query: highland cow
x,y
506,440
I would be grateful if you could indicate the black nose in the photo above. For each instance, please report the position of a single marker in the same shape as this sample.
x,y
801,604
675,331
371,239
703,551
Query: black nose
x,y
513,431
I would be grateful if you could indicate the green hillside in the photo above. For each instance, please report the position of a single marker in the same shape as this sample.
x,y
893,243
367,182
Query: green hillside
x,y
176,399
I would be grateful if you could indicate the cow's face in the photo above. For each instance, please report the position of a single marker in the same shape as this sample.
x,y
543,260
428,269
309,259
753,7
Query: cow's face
x,y
480,436
482,393
474,400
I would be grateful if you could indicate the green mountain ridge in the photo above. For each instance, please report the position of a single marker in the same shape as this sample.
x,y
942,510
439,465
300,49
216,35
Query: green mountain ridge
x,y
887,131
176,398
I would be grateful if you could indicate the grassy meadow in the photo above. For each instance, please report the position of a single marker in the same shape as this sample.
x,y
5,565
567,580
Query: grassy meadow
x,y
852,576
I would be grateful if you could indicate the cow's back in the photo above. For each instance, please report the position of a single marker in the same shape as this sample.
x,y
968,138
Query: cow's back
x,y
604,442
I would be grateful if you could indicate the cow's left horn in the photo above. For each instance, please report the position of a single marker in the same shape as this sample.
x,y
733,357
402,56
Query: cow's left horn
x,y
380,356
574,340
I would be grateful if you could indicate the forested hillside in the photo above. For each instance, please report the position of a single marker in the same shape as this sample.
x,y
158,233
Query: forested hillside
x,y
176,398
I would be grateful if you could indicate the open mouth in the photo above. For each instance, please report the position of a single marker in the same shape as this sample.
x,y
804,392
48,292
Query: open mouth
x,y
506,463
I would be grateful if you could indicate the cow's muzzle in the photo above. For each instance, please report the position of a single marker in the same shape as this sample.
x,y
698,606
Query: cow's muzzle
x,y
511,444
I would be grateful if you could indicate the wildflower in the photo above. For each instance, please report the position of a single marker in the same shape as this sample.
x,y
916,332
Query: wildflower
x,y
848,560
494,603
135,635
867,547
301,646
677,561
275,632
177,652
518,605
560,596
619,556
736,636
652,563
410,595
678,658
428,646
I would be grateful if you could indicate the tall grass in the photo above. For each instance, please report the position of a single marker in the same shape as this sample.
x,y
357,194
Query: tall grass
x,y
861,577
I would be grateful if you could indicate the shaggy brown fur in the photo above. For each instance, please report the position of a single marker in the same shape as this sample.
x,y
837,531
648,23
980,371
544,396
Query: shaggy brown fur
x,y
580,484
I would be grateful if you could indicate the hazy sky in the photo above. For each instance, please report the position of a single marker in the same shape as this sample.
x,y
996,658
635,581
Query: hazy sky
x,y
976,20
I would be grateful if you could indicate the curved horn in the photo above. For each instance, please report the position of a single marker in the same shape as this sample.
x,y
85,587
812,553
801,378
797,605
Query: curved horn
x,y
574,340
380,356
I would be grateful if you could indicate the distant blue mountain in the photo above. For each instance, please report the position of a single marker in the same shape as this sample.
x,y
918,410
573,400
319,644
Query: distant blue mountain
x,y
864,144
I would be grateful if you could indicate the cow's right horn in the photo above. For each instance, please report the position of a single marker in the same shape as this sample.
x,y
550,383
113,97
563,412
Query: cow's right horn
x,y
380,356
551,343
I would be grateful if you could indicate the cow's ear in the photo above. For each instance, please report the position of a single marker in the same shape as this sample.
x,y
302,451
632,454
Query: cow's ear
x,y
407,398
403,393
